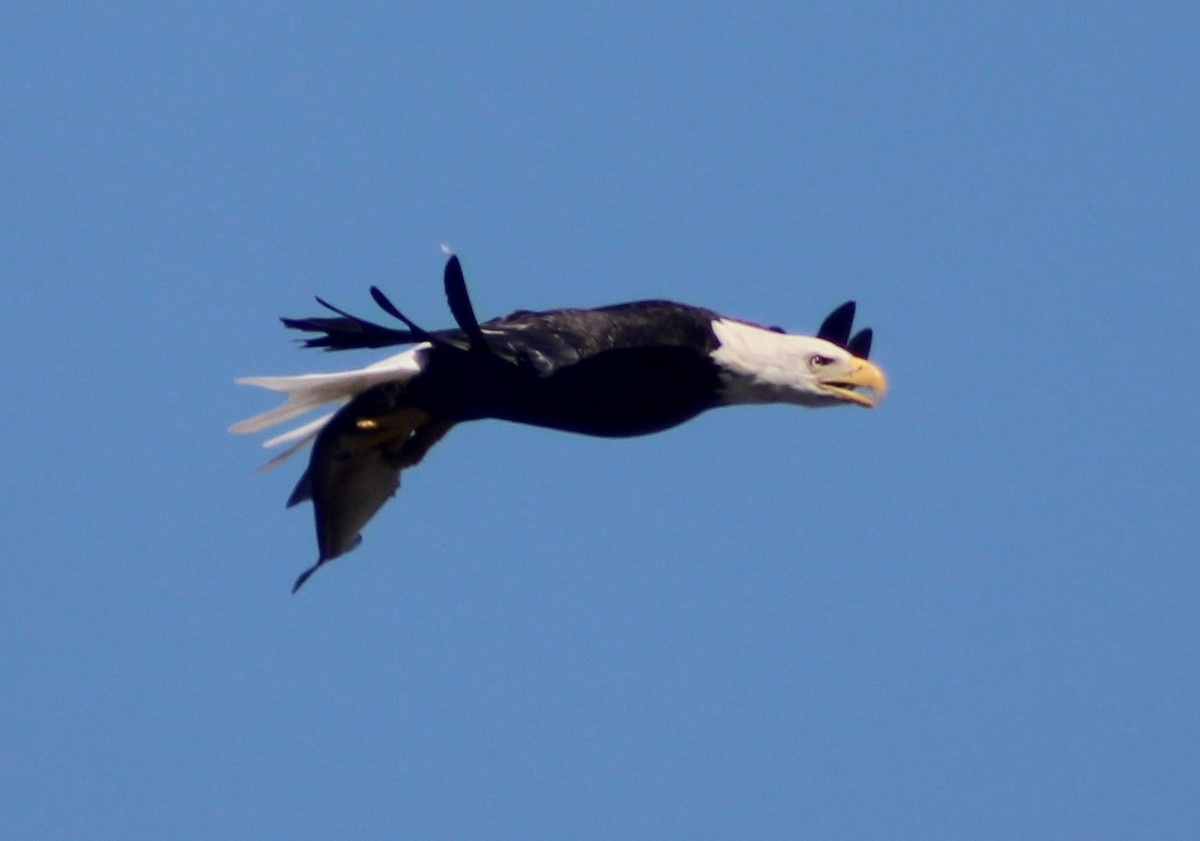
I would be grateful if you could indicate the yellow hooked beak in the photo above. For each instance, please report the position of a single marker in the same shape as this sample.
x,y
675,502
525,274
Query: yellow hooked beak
x,y
863,374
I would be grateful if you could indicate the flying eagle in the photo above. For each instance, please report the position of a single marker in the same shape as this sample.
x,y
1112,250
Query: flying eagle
x,y
615,371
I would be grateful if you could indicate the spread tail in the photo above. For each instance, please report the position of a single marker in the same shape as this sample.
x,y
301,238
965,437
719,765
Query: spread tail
x,y
310,391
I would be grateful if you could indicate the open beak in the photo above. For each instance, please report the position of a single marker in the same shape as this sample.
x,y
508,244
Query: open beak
x,y
864,374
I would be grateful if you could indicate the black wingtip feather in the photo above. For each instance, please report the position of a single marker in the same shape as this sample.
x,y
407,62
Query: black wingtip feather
x,y
860,344
332,308
460,303
304,576
303,491
836,326
391,309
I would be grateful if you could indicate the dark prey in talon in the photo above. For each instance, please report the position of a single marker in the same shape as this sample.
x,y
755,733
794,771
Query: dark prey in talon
x,y
615,371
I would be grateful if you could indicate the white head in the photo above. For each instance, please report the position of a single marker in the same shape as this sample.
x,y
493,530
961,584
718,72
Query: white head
x,y
764,366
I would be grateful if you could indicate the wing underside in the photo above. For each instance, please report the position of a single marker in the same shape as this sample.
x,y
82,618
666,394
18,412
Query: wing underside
x,y
356,464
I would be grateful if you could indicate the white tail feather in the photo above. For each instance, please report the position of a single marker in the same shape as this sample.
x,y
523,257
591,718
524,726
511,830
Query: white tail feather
x,y
297,447
307,431
308,391
302,435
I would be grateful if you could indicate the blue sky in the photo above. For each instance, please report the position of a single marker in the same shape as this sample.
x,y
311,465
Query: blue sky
x,y
969,614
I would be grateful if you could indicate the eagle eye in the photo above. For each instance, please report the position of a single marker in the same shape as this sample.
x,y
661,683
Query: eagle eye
x,y
818,361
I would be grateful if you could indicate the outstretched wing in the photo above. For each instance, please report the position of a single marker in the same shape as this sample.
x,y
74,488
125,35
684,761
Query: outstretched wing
x,y
356,463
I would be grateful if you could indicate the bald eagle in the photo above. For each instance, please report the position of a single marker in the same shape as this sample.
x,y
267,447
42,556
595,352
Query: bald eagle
x,y
616,371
